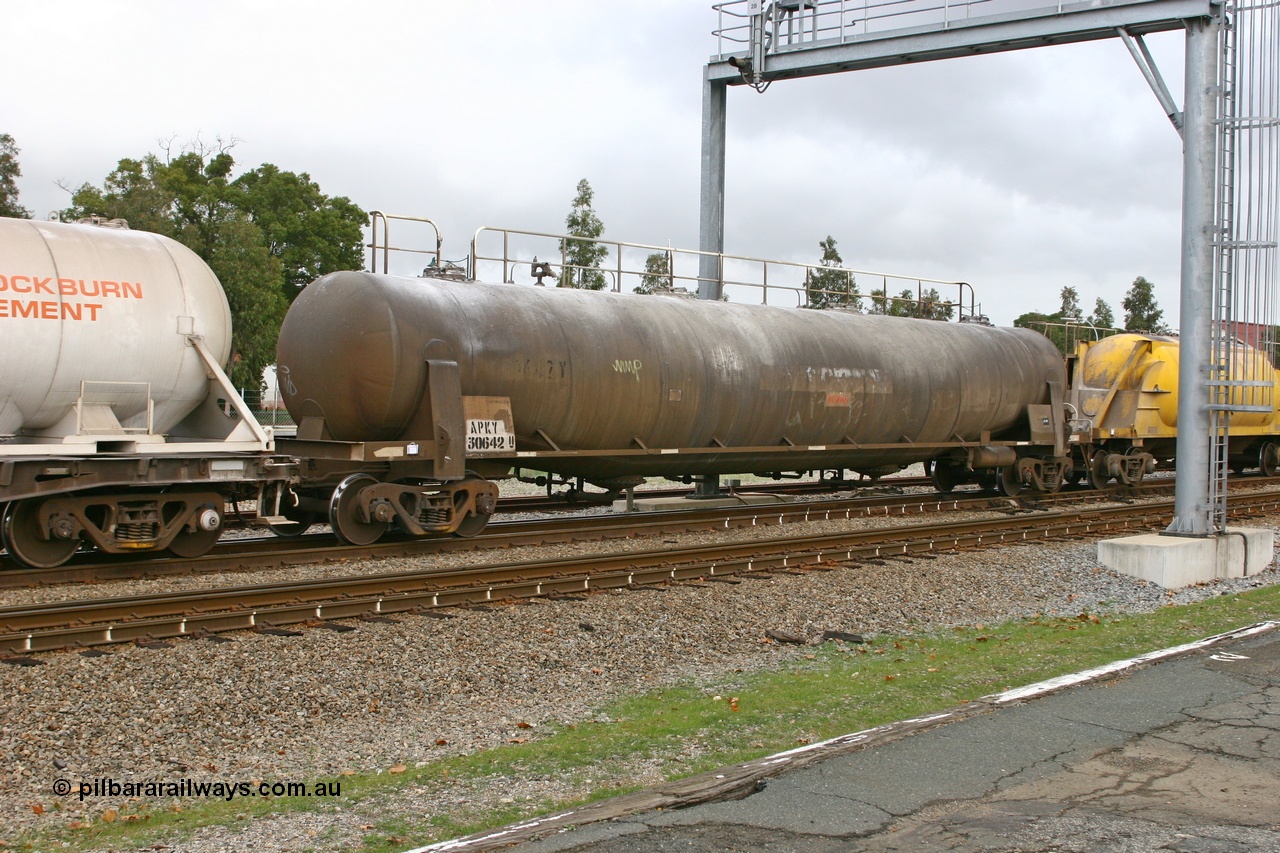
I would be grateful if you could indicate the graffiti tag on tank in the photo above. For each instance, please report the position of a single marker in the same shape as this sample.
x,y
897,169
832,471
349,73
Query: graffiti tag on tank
x,y
631,366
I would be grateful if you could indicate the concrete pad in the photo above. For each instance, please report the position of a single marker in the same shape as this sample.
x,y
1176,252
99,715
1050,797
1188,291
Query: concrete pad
x,y
1178,561
677,504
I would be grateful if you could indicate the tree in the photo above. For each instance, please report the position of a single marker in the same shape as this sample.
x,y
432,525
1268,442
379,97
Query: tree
x,y
1141,314
902,305
929,305
263,237
9,172
1070,309
831,287
1102,317
311,233
932,306
582,257
657,273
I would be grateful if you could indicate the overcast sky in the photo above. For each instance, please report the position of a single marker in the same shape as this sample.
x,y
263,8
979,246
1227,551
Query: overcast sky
x,y
1022,172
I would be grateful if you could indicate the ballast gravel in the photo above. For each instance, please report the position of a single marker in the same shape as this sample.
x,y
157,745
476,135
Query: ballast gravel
x,y
245,707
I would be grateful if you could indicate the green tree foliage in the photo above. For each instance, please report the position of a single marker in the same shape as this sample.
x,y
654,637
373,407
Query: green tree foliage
x,y
582,257
10,171
264,234
929,305
657,273
933,307
902,305
831,287
311,233
1102,317
1070,309
1141,313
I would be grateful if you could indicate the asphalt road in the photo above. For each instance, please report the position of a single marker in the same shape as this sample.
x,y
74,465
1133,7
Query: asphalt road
x,y
1180,756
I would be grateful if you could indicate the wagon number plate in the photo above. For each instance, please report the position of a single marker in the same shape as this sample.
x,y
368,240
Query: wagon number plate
x,y
486,436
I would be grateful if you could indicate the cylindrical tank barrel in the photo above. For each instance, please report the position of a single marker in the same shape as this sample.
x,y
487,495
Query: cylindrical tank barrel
x,y
598,371
1148,364
101,315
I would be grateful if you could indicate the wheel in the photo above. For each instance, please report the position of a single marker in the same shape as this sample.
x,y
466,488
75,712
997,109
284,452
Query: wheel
x,y
1098,474
471,525
344,515
475,522
22,538
1269,459
191,544
945,476
1010,484
988,479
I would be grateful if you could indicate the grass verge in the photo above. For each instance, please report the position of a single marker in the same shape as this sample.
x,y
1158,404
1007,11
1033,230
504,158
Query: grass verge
x,y
683,730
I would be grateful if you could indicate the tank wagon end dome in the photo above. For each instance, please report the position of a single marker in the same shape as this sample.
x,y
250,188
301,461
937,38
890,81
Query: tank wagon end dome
x,y
340,357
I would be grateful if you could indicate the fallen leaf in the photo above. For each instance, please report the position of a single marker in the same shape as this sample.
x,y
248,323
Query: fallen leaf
x,y
38,809
596,671
933,669
889,678
523,725
518,740
348,773
109,816
399,768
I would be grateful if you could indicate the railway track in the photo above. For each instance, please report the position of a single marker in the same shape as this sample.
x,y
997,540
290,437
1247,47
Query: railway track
x,y
28,629
270,552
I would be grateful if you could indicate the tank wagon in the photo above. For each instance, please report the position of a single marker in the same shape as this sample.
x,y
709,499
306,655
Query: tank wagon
x,y
412,393
118,426
1124,391
120,430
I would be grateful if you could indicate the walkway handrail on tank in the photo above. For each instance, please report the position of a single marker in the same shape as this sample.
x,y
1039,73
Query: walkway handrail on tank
x,y
1068,334
792,24
376,216
733,270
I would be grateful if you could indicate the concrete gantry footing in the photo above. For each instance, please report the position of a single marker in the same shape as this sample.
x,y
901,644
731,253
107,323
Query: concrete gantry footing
x,y
1178,561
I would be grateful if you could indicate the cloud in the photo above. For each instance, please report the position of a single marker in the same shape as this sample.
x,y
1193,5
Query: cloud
x,y
1020,172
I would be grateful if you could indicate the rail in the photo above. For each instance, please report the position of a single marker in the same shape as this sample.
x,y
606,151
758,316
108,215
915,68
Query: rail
x,y
378,216
1067,336
647,268
42,627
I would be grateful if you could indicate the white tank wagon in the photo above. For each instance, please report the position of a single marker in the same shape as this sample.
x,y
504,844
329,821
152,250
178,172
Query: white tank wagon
x,y
112,343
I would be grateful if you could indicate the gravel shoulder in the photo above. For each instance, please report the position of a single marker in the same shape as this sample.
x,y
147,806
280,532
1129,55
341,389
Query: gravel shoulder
x,y
416,689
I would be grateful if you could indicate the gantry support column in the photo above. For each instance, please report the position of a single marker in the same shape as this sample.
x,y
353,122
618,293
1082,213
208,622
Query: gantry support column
x,y
711,205
1191,513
